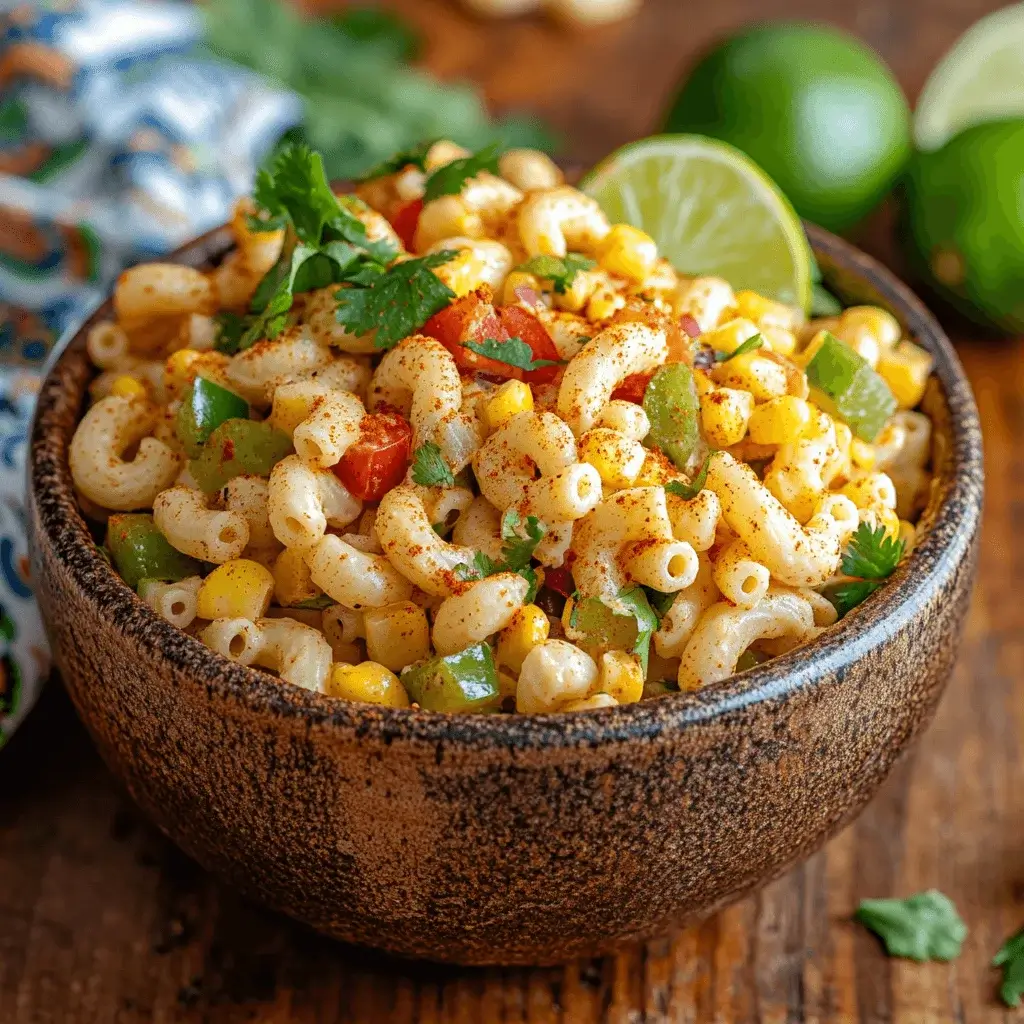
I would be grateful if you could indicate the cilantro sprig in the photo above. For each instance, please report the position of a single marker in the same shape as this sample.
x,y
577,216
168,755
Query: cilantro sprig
x,y
1011,958
754,342
521,537
429,468
416,156
871,556
561,271
635,599
513,352
394,302
448,179
324,243
925,926
690,490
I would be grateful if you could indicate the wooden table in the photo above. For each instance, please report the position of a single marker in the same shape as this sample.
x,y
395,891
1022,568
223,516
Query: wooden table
x,y
103,922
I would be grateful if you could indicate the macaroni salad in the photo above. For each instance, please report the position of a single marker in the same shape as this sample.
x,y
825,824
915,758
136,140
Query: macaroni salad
x,y
455,441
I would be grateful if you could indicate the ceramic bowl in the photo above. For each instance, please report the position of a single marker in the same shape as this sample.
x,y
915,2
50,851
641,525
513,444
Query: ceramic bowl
x,y
509,839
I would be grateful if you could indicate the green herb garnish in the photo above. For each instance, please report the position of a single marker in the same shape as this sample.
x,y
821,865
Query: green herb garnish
x,y
561,271
754,342
925,926
690,490
521,538
448,179
394,302
871,556
514,352
429,468
415,157
635,599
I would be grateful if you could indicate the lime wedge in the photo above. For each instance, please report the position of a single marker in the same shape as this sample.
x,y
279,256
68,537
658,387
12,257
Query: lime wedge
x,y
980,79
711,210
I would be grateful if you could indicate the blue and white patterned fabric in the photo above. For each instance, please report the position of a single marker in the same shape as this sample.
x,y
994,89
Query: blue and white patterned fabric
x,y
119,141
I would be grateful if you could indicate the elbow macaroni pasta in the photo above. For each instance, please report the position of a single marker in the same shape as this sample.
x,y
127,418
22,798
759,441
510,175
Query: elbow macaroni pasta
x,y
343,562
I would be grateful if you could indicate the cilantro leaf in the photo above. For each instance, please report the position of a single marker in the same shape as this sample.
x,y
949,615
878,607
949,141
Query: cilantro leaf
x,y
659,601
397,301
561,271
449,179
315,603
230,329
754,342
516,552
925,926
635,599
514,352
846,596
295,186
1011,958
872,554
694,487
429,468
416,156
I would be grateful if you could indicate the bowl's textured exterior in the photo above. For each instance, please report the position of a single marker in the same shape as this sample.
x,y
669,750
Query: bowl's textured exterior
x,y
483,839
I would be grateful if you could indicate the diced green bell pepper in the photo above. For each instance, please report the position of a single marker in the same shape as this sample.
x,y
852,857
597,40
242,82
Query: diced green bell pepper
x,y
238,448
844,385
467,681
140,551
205,407
671,404
601,627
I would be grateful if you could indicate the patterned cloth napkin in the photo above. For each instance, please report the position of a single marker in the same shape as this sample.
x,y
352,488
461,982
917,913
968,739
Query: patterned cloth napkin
x,y
119,140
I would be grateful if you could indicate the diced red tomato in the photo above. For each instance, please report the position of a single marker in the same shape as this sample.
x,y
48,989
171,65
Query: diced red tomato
x,y
520,323
378,459
470,318
690,325
632,389
473,318
560,580
406,219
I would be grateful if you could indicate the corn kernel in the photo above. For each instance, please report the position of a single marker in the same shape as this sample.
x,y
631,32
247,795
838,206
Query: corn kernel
x,y
397,634
368,682
529,627
766,312
762,377
862,454
520,279
617,458
724,415
778,339
882,326
507,684
604,304
178,372
238,589
656,470
127,387
462,273
730,335
907,534
621,677
779,420
512,398
906,369
585,284
629,252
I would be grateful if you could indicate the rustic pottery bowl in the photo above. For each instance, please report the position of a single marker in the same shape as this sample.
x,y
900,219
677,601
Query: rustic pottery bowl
x,y
505,839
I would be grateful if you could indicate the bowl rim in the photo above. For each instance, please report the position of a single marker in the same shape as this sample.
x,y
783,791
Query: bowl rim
x,y
948,540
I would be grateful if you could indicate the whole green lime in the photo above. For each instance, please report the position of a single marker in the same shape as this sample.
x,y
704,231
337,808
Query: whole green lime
x,y
964,215
818,110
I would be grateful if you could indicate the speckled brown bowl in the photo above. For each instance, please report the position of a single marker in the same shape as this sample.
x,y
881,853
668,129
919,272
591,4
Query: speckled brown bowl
x,y
507,839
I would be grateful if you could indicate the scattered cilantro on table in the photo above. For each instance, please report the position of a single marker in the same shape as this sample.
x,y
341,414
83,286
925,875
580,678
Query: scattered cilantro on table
x,y
925,926
1011,958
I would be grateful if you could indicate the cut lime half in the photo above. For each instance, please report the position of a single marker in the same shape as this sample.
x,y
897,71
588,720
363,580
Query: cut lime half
x,y
980,79
711,210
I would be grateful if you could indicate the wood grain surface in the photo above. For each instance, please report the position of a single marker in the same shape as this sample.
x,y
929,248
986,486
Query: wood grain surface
x,y
102,921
